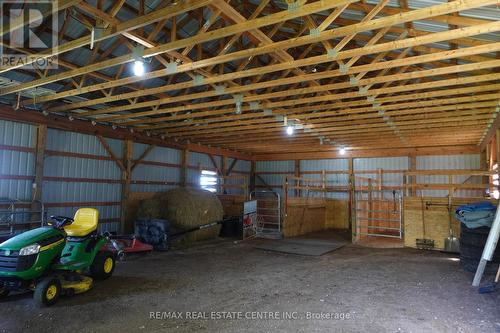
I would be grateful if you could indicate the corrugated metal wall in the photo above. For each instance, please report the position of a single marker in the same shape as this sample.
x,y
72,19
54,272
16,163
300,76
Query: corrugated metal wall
x,y
15,162
274,173
158,172
454,162
198,161
241,168
78,171
312,169
99,184
361,165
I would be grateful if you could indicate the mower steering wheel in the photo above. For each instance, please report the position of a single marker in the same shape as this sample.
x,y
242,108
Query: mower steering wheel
x,y
61,221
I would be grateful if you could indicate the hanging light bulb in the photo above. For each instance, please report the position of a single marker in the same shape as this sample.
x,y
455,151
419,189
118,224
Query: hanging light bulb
x,y
139,69
342,151
290,126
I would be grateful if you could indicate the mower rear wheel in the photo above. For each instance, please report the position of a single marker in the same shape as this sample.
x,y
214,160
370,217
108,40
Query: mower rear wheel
x,y
3,292
103,265
47,292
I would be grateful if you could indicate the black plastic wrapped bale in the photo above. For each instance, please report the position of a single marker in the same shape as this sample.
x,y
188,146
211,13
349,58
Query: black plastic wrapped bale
x,y
153,232
232,227
185,208
472,243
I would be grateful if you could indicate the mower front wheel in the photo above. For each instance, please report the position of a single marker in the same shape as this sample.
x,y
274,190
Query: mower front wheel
x,y
47,291
103,265
3,292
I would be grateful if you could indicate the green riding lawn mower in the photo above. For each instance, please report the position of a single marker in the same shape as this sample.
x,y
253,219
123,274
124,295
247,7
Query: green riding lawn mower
x,y
63,258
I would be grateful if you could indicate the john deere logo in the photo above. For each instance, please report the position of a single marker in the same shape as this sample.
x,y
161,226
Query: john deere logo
x,y
7,253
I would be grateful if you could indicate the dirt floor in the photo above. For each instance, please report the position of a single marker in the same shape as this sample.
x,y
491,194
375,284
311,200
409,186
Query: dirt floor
x,y
226,287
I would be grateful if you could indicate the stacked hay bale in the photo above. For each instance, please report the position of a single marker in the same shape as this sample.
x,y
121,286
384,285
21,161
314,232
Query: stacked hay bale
x,y
185,208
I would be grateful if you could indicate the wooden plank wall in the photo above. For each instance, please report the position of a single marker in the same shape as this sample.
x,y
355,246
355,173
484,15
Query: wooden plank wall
x,y
307,215
436,219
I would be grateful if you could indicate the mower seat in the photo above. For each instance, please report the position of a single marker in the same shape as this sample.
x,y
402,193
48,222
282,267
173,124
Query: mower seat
x,y
85,223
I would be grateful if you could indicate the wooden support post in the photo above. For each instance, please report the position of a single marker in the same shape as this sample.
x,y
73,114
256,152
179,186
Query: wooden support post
x,y
497,147
269,187
184,168
483,158
297,174
223,171
370,204
413,179
126,178
143,156
488,156
200,169
214,163
37,188
380,180
110,152
323,182
231,167
253,166
351,193
451,189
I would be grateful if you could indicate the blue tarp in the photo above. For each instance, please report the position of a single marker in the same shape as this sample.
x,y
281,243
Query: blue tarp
x,y
475,215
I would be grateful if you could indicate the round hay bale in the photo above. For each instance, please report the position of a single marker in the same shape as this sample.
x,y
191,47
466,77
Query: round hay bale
x,y
150,208
185,208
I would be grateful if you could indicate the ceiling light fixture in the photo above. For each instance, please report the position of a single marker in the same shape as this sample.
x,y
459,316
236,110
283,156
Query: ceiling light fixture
x,y
139,68
290,126
342,151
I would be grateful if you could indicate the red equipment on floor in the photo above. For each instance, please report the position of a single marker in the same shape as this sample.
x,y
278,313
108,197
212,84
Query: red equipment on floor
x,y
123,244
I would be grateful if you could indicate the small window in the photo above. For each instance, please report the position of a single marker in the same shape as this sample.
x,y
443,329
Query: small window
x,y
208,180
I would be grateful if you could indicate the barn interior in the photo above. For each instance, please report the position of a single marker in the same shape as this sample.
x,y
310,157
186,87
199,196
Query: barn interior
x,y
228,165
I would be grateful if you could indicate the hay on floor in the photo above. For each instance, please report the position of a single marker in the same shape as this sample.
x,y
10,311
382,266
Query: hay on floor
x,y
185,208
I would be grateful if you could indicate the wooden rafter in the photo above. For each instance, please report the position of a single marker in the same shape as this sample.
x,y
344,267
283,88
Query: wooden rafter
x,y
343,82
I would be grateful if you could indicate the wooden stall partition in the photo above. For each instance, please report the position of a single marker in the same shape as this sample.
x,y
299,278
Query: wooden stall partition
x,y
304,215
337,214
232,204
436,218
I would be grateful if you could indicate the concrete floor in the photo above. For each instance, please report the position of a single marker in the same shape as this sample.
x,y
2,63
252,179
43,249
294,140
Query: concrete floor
x,y
362,289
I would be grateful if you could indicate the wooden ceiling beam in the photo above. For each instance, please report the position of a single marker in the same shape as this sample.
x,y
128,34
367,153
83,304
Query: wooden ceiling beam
x,y
334,128
476,113
304,78
401,100
292,101
436,56
129,25
352,141
333,110
271,19
317,118
173,45
304,62
343,135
